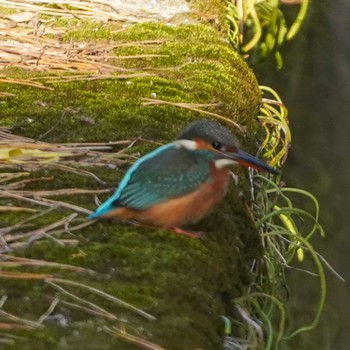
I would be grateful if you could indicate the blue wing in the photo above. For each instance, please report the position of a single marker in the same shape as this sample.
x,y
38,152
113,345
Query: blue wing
x,y
167,172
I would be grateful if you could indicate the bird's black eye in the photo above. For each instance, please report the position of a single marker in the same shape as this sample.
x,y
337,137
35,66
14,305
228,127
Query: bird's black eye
x,y
216,145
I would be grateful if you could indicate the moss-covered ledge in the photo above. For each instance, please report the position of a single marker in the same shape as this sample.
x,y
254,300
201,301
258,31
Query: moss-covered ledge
x,y
187,285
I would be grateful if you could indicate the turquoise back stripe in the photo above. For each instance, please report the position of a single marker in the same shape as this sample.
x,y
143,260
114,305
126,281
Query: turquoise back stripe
x,y
107,205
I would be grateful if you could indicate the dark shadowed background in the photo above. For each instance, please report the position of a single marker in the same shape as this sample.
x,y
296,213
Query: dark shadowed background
x,y
315,85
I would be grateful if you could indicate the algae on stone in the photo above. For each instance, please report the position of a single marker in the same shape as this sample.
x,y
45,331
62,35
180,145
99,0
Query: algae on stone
x,y
186,284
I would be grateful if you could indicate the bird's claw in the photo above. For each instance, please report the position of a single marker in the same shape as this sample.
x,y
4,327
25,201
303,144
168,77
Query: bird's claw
x,y
192,234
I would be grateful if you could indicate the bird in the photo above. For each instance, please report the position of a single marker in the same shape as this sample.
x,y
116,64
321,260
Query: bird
x,y
181,182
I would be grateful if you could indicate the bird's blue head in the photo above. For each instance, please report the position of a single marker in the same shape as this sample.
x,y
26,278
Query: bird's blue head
x,y
213,137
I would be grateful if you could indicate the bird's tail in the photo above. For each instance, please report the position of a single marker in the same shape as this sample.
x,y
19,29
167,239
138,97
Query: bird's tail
x,y
103,209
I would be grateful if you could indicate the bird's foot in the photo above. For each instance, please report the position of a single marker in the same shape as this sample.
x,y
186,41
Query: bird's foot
x,y
177,230
188,233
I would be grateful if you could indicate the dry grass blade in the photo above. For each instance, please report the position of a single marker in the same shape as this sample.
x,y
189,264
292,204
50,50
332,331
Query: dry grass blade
x,y
10,154
11,261
27,149
91,306
193,107
102,294
49,311
7,194
12,326
98,10
24,275
6,209
25,43
38,233
12,317
98,313
15,236
80,172
70,78
22,183
60,192
61,204
23,223
142,342
5,177
25,82
27,49
6,94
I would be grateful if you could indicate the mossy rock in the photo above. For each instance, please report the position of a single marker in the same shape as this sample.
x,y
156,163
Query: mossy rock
x,y
186,284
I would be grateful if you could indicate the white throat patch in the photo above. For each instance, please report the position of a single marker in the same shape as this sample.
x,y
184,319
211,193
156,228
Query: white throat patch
x,y
223,163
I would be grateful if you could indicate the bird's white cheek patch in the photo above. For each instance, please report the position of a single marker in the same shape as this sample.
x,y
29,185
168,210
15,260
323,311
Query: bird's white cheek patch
x,y
223,163
188,144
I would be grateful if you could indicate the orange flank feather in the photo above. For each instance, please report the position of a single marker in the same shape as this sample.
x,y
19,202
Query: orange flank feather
x,y
182,210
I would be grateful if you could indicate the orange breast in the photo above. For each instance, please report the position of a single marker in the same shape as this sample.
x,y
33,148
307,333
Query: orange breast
x,y
181,210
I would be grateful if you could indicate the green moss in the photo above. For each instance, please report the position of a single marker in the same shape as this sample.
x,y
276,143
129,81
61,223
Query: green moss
x,y
199,67
86,30
211,8
187,284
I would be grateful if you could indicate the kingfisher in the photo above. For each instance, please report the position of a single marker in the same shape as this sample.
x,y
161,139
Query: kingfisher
x,y
180,182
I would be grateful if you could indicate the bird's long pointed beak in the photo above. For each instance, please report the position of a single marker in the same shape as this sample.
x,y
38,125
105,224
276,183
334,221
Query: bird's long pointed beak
x,y
248,160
